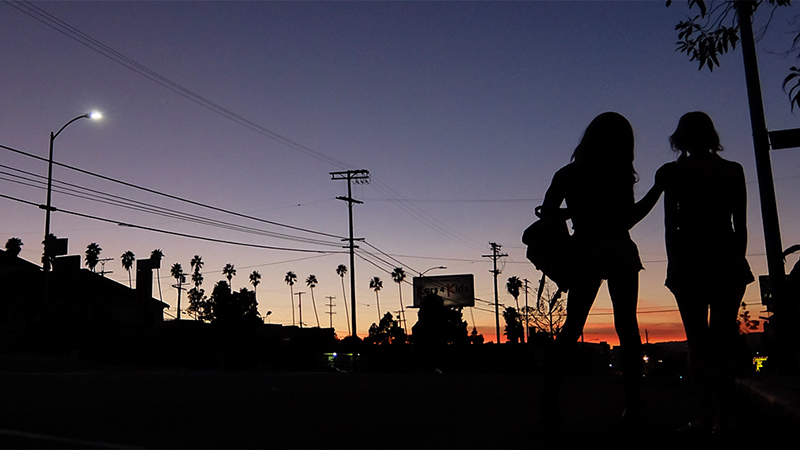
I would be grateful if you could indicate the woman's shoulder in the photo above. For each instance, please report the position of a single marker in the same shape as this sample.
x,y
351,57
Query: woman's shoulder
x,y
566,172
730,168
668,169
733,165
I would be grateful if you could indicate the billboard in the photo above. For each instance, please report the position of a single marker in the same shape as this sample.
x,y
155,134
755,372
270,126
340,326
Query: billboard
x,y
456,290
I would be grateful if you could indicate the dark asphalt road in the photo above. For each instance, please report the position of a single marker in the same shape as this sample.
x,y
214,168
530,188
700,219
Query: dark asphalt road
x,y
157,408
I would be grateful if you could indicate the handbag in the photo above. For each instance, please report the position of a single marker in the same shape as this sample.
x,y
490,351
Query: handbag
x,y
550,247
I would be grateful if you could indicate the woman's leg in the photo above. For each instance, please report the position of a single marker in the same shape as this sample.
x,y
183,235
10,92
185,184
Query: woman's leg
x,y
581,297
624,292
723,334
580,300
693,306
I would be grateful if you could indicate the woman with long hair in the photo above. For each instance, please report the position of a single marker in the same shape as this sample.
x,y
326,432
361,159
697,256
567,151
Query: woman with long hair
x,y
705,218
597,187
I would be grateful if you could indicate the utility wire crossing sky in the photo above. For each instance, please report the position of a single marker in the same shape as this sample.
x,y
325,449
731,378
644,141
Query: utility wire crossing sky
x,y
223,120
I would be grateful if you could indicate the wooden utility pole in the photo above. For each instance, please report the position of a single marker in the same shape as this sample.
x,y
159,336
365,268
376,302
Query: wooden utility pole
x,y
495,256
527,330
783,317
180,288
359,176
330,306
300,305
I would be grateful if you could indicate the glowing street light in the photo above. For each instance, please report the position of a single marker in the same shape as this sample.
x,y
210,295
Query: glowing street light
x,y
94,115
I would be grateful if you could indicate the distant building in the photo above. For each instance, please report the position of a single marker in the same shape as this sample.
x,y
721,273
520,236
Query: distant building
x,y
71,308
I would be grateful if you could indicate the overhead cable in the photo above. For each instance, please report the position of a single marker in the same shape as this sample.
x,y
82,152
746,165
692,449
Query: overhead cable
x,y
170,196
82,38
173,233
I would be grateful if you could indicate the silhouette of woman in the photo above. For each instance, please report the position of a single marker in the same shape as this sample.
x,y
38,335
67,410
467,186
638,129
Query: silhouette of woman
x,y
597,186
705,202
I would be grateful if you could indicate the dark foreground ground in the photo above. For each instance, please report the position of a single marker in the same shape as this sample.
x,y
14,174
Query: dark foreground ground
x,y
81,405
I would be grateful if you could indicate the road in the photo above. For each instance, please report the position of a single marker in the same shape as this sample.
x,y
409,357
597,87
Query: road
x,y
106,407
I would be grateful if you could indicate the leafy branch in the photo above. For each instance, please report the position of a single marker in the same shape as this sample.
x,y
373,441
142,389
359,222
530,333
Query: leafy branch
x,y
715,31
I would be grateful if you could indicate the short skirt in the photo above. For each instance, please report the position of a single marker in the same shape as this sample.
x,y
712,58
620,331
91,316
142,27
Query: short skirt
x,y
711,272
606,258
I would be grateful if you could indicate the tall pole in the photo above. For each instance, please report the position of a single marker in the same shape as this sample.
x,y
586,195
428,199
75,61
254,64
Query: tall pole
x,y
360,176
766,186
300,305
527,331
48,207
495,256
330,306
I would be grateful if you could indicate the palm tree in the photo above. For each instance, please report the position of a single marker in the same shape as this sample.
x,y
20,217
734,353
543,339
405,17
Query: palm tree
x,y
155,259
255,280
376,284
513,286
311,281
92,255
197,264
341,270
127,259
229,272
177,272
398,275
290,279
196,294
197,278
14,246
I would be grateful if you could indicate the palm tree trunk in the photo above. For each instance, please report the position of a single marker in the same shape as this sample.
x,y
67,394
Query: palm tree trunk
x,y
291,292
402,309
314,303
158,277
346,315
378,298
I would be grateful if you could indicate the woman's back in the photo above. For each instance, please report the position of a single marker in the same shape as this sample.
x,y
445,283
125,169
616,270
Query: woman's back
x,y
599,200
701,194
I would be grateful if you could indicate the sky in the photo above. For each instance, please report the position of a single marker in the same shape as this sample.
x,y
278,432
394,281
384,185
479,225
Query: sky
x,y
460,111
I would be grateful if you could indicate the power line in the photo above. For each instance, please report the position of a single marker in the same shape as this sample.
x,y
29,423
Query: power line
x,y
77,191
104,50
424,217
82,38
170,196
173,233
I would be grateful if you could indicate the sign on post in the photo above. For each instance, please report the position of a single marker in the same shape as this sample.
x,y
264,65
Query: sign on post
x,y
456,290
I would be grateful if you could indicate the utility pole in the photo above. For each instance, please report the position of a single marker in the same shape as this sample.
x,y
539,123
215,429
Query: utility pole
x,y
330,306
783,318
300,305
495,256
359,176
527,331
103,266
180,288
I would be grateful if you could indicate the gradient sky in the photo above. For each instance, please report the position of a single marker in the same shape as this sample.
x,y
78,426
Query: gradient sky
x,y
461,111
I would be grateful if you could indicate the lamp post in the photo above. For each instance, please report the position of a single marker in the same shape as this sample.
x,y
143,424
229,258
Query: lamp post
x,y
90,115
428,270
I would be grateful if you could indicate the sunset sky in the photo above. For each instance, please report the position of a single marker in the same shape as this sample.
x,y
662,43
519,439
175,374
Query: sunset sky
x,y
461,112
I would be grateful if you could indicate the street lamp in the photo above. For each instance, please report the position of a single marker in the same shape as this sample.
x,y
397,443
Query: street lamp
x,y
428,270
94,115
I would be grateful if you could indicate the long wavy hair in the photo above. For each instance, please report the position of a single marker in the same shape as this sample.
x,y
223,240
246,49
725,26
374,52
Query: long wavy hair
x,y
607,144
